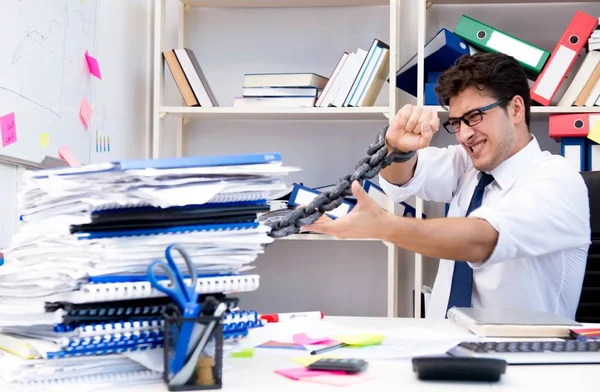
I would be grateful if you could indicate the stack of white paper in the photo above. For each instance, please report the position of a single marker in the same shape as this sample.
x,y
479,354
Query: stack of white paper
x,y
89,234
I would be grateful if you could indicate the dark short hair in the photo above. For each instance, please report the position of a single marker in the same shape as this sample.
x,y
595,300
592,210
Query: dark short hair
x,y
500,75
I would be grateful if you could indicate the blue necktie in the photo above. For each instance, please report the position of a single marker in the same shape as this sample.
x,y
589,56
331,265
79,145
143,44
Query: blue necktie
x,y
462,278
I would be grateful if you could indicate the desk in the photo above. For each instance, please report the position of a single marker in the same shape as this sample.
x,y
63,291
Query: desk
x,y
257,373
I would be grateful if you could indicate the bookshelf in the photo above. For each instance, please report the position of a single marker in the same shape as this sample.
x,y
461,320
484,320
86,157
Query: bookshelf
x,y
169,110
297,114
543,15
417,19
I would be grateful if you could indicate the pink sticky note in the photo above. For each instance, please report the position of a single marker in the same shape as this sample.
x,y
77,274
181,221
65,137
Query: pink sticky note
x,y
340,381
66,154
298,373
8,128
93,65
85,112
304,340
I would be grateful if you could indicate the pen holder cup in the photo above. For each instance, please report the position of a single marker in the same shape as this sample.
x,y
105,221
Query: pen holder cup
x,y
202,367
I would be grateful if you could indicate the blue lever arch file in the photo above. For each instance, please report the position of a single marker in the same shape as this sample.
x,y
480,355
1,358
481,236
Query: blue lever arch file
x,y
165,163
441,52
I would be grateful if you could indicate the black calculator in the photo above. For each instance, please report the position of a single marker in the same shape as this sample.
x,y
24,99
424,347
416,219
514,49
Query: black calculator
x,y
349,365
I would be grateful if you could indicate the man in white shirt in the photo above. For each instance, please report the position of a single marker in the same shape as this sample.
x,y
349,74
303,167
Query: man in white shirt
x,y
517,231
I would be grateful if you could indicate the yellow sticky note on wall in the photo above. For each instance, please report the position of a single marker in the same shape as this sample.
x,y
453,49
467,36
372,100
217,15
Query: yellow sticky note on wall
x,y
361,339
44,139
594,134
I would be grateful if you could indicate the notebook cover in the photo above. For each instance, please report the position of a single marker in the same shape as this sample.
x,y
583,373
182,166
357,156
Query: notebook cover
x,y
138,225
143,214
481,316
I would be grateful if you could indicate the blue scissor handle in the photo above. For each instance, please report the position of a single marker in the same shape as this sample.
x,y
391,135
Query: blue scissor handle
x,y
190,290
183,294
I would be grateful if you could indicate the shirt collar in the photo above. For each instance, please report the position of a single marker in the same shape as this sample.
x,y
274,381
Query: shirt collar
x,y
506,173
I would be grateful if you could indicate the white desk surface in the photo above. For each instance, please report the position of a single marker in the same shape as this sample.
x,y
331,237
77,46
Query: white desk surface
x,y
257,373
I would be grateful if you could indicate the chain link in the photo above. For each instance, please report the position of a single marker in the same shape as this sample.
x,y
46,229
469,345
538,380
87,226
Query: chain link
x,y
289,223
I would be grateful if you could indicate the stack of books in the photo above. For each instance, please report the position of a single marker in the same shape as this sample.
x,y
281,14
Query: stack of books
x,y
189,78
594,41
358,77
280,90
75,297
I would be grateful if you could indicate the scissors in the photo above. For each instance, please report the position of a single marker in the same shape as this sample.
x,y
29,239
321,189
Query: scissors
x,y
184,296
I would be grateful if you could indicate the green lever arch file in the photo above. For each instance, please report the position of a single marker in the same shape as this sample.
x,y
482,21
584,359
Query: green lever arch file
x,y
490,39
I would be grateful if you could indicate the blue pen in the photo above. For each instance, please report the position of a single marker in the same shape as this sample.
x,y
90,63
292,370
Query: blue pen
x,y
184,296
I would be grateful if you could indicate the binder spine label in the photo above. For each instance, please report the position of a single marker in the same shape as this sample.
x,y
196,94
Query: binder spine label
x,y
518,49
555,72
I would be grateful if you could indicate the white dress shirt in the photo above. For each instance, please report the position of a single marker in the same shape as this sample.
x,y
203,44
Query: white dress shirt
x,y
538,203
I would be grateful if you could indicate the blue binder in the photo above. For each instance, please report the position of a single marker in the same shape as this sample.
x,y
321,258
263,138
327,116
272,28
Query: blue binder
x,y
575,151
165,163
441,52
593,155
409,211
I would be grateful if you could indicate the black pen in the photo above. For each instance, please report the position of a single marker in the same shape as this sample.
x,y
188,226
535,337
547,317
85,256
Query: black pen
x,y
328,348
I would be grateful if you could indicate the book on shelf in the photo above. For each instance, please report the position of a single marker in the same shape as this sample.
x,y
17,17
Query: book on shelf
x,y
594,41
357,78
584,83
280,90
189,78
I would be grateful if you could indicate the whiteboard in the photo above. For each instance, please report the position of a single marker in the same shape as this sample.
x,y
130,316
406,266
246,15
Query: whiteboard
x,y
44,76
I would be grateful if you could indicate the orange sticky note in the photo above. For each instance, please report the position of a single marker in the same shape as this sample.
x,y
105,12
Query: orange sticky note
x,y
594,133
93,66
85,112
66,155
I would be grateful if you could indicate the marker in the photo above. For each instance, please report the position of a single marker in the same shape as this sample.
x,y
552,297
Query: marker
x,y
282,317
328,348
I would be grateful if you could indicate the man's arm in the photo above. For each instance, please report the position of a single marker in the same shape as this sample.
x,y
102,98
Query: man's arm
x,y
399,173
464,239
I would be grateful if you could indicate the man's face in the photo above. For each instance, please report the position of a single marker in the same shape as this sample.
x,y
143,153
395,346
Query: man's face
x,y
489,142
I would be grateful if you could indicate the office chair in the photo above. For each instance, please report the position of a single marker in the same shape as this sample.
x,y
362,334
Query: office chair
x,y
588,310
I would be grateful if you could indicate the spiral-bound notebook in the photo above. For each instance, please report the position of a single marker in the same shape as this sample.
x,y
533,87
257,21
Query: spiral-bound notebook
x,y
99,292
218,227
106,311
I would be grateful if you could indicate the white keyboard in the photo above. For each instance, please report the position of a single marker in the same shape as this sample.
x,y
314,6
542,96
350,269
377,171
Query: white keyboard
x,y
532,352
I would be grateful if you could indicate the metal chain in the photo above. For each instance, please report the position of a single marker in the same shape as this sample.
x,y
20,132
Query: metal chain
x,y
289,223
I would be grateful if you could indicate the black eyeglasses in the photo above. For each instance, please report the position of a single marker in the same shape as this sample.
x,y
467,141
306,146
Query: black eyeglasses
x,y
474,117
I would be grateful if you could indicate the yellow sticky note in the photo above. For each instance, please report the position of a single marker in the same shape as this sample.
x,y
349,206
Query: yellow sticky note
x,y
361,339
305,361
44,139
594,134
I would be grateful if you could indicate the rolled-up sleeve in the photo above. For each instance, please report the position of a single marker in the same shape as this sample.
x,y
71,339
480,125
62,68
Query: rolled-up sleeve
x,y
543,213
436,176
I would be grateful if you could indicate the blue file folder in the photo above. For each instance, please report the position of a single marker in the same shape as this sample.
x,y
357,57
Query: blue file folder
x,y
575,151
593,155
441,53
165,163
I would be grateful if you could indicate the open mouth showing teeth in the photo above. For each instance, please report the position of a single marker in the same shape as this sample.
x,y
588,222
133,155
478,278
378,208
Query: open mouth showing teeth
x,y
477,147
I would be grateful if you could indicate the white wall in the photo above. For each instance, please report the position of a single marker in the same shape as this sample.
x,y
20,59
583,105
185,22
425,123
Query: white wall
x,y
121,96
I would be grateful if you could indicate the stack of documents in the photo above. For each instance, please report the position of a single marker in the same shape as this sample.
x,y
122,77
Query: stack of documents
x,y
90,233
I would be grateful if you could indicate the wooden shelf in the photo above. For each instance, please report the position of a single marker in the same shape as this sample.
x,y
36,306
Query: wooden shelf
x,y
282,3
473,2
320,237
307,114
539,112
